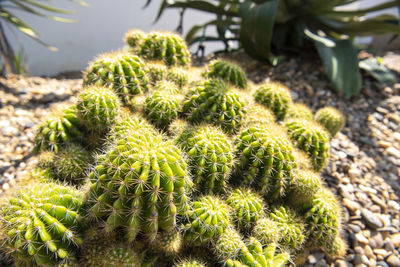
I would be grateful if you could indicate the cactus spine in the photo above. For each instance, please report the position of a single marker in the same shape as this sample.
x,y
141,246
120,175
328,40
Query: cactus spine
x,y
332,119
189,263
39,225
267,231
228,244
227,71
304,186
213,102
299,111
210,157
169,243
134,38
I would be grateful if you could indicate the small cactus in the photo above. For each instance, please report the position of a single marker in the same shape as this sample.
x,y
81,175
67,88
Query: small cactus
x,y
290,226
162,106
247,207
304,186
276,97
179,76
189,263
134,38
123,72
213,102
258,115
337,248
39,225
229,72
97,108
156,71
167,47
332,119
312,139
265,160
128,124
169,243
58,130
210,157
255,255
208,219
267,231
228,244
144,180
299,111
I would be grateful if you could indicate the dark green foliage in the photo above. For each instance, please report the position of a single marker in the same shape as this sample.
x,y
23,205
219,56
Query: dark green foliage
x,y
213,102
39,224
58,130
276,97
312,139
125,73
229,72
210,157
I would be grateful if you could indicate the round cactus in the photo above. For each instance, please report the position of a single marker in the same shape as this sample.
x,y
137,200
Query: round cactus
x,y
39,225
323,218
134,38
189,263
210,157
276,97
169,243
312,139
123,72
167,47
162,106
304,186
255,255
98,108
208,219
299,111
156,71
128,124
213,102
58,130
258,115
267,231
144,180
332,119
228,71
290,226
337,248
71,163
228,244
265,160
247,207
179,76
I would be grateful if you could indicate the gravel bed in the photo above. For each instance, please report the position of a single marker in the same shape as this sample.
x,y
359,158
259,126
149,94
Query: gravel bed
x,y
364,168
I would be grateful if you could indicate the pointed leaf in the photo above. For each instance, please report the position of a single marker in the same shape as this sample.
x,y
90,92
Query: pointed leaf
x,y
377,71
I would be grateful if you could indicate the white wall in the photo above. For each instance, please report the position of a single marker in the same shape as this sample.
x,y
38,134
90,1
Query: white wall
x,y
100,29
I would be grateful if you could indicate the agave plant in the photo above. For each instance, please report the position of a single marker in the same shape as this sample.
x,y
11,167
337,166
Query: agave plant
x,y
266,26
11,60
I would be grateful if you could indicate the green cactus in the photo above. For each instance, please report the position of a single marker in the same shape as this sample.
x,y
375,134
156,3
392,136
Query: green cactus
x,y
299,111
208,219
304,186
337,248
179,76
228,244
140,184
39,225
213,102
265,160
255,255
258,115
130,123
189,263
134,38
156,71
290,226
169,243
123,72
267,231
228,71
162,106
56,131
276,97
323,218
210,157
312,139
97,108
247,207
332,119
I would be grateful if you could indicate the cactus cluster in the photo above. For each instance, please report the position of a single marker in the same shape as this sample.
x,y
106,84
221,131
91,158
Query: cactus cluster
x,y
332,119
174,168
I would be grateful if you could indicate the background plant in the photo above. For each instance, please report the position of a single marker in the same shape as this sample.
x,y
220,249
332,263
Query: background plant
x,y
266,27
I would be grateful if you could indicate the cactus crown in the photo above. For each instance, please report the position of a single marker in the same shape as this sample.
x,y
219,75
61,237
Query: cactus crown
x,y
228,244
332,119
267,231
299,111
210,157
305,184
39,225
134,38
227,71
276,97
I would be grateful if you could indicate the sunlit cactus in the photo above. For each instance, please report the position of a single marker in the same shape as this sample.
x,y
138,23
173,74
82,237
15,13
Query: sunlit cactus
x,y
312,138
305,185
258,115
40,224
228,245
169,243
214,102
267,231
332,119
189,263
134,38
125,73
210,157
276,97
299,111
179,76
228,71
